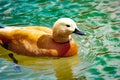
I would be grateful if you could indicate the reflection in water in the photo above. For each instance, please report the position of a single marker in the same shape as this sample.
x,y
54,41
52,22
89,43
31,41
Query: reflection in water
x,y
15,61
61,68
64,67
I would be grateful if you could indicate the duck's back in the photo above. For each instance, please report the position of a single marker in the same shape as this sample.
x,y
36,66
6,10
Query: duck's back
x,y
32,31
21,39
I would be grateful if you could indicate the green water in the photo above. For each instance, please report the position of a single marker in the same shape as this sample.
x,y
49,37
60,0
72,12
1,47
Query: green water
x,y
99,50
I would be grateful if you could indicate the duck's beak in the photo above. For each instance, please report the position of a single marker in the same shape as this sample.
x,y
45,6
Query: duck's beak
x,y
77,31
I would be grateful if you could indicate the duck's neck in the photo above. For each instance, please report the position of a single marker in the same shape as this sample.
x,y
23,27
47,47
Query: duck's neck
x,y
61,39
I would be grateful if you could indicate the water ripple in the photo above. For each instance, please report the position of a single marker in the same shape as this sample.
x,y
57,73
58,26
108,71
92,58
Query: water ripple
x,y
98,57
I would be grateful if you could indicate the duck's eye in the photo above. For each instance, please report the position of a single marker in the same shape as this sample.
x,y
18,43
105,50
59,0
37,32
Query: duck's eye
x,y
68,25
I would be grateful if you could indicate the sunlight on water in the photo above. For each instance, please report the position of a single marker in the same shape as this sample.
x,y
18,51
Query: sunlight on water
x,y
99,50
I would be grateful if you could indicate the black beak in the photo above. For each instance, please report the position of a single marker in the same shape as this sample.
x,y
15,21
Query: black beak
x,y
77,31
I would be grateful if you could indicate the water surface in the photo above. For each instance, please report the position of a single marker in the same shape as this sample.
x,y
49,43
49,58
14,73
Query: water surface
x,y
99,50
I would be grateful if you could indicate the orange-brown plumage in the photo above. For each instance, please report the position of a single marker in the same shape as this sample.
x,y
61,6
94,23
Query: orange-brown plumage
x,y
40,41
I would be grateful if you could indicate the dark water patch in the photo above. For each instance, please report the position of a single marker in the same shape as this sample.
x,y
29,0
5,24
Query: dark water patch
x,y
108,68
94,71
115,27
99,79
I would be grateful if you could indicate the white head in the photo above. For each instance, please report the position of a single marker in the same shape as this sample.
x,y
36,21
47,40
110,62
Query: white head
x,y
62,29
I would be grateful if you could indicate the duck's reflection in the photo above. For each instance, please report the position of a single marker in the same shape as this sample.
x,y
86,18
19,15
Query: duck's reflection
x,y
62,68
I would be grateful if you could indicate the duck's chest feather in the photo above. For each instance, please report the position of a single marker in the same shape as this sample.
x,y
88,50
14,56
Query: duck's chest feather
x,y
43,45
47,42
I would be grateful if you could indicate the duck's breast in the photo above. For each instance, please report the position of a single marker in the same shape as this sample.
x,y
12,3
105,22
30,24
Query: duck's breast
x,y
61,49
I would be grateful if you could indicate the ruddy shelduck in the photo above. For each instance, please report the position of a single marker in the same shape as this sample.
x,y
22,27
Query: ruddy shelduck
x,y
42,41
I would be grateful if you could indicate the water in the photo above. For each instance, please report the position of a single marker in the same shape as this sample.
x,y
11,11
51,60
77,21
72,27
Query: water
x,y
99,51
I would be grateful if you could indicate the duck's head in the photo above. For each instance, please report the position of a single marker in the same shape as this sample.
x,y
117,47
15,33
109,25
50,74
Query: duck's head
x,y
63,28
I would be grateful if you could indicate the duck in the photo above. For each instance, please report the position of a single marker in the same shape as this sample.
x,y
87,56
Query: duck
x,y
42,41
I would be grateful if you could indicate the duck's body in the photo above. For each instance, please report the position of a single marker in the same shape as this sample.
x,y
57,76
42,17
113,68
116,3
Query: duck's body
x,y
37,41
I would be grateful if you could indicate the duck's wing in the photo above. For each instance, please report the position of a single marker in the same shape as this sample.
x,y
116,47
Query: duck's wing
x,y
28,33
44,29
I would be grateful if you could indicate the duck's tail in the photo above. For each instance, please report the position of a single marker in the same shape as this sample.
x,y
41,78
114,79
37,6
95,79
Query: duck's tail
x,y
4,35
0,37
1,27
